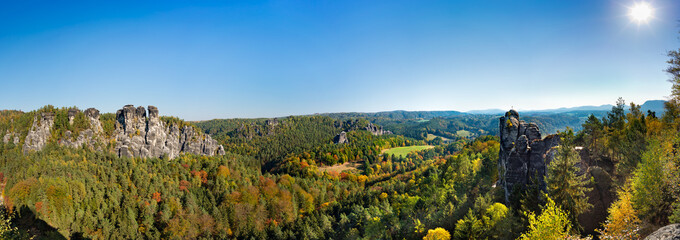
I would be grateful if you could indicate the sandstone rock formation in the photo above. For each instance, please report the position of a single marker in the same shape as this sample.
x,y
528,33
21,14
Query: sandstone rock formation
x,y
135,134
72,114
522,153
376,130
39,133
10,136
91,136
139,136
340,138
600,197
670,232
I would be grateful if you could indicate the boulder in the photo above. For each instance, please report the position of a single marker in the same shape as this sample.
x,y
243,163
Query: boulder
x,y
670,232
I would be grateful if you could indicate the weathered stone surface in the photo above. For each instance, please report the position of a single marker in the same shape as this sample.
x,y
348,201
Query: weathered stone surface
x,y
135,135
89,137
172,144
220,150
522,154
11,136
153,112
670,232
600,197
72,112
39,133
376,130
340,138
139,136
195,143
93,115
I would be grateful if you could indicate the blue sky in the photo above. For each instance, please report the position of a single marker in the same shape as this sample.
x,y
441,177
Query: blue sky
x,y
223,59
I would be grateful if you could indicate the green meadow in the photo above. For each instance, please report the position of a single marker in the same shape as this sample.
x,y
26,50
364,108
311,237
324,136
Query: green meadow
x,y
403,151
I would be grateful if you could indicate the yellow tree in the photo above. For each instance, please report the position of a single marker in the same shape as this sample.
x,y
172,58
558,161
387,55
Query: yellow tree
x,y
437,234
553,223
622,222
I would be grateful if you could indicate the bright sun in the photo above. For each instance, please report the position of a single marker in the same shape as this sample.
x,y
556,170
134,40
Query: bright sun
x,y
641,12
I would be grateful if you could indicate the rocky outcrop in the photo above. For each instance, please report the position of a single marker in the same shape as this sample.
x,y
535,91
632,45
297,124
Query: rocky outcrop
x,y
93,116
39,133
135,134
340,138
376,130
600,197
10,136
670,232
89,137
139,136
522,153
72,112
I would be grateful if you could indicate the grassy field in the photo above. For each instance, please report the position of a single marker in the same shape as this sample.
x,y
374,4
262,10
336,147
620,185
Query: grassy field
x,y
403,151
464,133
432,136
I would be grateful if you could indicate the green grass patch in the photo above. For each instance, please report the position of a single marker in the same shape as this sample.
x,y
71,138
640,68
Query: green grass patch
x,y
464,133
432,136
403,151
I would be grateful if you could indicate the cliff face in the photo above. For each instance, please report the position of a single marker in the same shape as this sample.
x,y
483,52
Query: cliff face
x,y
376,130
40,132
140,136
522,153
135,135
353,125
91,136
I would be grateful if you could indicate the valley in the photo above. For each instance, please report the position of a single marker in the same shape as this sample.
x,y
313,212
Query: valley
x,y
347,120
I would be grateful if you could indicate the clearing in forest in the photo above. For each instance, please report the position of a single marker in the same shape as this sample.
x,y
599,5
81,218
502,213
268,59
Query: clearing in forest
x,y
464,133
432,136
339,167
403,151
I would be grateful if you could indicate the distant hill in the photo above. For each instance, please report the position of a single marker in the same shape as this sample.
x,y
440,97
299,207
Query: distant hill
x,y
487,111
398,114
654,106
605,107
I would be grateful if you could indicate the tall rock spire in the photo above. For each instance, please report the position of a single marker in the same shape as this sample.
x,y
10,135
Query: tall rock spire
x,y
522,153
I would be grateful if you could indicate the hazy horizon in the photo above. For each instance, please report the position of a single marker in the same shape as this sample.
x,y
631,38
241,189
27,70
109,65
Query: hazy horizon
x,y
314,113
207,60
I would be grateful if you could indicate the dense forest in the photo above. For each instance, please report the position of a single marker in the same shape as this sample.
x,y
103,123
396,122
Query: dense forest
x,y
455,126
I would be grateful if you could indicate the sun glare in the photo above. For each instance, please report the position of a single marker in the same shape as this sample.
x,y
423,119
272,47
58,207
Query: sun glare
x,y
641,12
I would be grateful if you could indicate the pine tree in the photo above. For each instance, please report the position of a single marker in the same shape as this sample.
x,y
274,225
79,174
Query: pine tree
x,y
565,186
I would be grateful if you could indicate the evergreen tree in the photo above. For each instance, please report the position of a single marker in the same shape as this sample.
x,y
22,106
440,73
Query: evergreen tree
x,y
565,185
